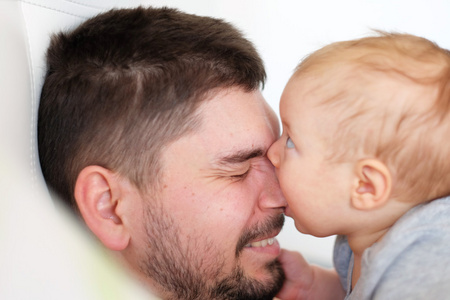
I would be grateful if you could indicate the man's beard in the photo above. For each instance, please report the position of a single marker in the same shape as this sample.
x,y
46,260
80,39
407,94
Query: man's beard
x,y
238,286
182,273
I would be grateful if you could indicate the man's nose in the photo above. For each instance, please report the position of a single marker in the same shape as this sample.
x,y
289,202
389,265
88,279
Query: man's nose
x,y
271,197
274,155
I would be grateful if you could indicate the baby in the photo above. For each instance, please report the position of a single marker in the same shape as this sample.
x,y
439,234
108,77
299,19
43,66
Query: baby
x,y
365,155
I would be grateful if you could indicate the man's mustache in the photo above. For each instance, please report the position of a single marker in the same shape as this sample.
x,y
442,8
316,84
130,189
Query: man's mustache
x,y
264,229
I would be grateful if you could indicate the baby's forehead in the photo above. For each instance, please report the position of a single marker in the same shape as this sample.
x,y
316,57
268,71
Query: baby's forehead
x,y
348,97
339,78
324,83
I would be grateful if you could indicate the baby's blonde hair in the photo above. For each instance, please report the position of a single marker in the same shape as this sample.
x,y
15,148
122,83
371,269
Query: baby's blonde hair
x,y
391,96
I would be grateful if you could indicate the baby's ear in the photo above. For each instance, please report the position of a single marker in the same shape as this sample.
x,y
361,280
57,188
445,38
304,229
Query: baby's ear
x,y
372,186
98,193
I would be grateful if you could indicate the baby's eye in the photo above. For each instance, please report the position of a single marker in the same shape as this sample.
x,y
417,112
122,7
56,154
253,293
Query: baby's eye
x,y
289,143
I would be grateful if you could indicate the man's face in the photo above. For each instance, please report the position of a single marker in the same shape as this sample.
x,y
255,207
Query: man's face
x,y
209,234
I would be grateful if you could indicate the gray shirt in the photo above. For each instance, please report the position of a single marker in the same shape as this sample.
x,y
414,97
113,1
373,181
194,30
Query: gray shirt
x,y
412,261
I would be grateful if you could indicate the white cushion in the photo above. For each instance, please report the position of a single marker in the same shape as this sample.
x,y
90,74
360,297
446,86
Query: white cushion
x,y
44,254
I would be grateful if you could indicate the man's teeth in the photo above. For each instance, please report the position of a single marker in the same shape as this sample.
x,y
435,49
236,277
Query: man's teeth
x,y
262,243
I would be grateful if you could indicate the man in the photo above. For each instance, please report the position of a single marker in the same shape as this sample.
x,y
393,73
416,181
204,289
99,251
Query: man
x,y
153,128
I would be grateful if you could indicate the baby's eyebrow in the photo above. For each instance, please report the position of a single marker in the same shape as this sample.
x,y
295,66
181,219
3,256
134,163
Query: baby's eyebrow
x,y
240,156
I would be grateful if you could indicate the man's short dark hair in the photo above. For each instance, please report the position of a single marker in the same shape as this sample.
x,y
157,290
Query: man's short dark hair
x,y
125,83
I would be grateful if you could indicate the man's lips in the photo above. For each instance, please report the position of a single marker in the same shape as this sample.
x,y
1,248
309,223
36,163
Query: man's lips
x,y
261,235
268,246
263,242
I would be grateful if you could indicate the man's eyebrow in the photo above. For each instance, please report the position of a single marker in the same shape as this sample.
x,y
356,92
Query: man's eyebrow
x,y
240,156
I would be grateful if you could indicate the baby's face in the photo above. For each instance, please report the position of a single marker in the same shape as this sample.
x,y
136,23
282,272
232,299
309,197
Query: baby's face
x,y
316,189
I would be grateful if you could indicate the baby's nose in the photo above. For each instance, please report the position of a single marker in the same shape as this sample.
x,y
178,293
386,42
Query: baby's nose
x,y
273,154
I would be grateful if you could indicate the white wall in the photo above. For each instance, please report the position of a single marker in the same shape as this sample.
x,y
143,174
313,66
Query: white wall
x,y
285,31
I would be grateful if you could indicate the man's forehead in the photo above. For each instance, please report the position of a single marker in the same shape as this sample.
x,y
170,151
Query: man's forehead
x,y
236,125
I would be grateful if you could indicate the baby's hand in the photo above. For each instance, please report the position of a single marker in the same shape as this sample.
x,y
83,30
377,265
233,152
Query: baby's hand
x,y
299,276
304,281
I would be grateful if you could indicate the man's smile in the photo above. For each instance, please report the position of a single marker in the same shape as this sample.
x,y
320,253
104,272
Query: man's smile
x,y
262,243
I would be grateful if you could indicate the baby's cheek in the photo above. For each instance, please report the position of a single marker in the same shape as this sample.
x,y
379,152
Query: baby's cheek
x,y
287,187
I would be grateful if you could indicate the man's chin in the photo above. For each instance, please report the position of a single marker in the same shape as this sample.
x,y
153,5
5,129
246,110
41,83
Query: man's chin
x,y
241,286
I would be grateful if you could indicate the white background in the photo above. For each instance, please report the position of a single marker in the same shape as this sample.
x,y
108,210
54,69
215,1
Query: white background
x,y
286,31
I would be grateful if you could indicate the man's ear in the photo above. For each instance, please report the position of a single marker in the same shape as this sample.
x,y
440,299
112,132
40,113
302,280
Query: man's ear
x,y
372,186
97,193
